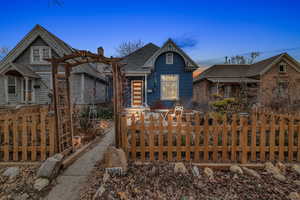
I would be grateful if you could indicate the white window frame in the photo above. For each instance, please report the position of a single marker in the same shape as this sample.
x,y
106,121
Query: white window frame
x,y
170,56
162,97
284,68
15,85
40,48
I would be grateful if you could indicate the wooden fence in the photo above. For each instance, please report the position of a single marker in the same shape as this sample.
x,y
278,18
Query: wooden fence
x,y
200,138
27,136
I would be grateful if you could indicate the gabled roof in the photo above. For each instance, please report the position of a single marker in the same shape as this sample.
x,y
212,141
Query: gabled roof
x,y
59,46
247,70
137,59
23,69
170,45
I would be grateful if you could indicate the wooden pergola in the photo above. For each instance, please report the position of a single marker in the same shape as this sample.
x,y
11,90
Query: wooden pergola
x,y
61,93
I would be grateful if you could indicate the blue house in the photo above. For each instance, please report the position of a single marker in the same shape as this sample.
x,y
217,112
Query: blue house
x,y
158,77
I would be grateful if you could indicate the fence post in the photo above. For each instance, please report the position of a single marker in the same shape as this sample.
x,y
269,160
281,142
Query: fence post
x,y
291,138
33,136
243,138
16,138
142,136
170,138
24,137
6,137
161,138
197,137
272,138
233,137
206,132
151,138
253,136
133,137
224,140
281,139
179,136
263,139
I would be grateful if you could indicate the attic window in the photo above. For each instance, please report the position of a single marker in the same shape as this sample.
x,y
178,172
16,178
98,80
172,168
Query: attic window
x,y
39,53
282,67
169,58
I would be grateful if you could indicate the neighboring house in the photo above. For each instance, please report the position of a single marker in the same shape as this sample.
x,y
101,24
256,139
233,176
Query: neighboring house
x,y
158,77
26,78
273,80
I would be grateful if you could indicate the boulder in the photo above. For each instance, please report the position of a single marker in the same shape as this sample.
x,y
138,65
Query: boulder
x,y
11,172
180,168
297,182
236,169
40,183
209,173
50,167
270,168
195,171
115,158
281,167
251,172
296,168
22,197
294,196
279,177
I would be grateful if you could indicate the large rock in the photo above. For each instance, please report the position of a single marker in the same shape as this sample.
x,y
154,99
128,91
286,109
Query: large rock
x,y
40,183
296,168
209,173
180,168
275,171
279,177
195,171
50,168
281,167
294,196
115,158
251,172
11,172
236,169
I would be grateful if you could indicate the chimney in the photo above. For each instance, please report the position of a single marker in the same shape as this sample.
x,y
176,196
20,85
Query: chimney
x,y
101,51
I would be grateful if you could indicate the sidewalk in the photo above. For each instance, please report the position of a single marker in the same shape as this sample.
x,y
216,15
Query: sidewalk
x,y
71,180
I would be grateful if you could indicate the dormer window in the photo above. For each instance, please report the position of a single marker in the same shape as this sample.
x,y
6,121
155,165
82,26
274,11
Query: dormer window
x,y
169,58
39,53
282,68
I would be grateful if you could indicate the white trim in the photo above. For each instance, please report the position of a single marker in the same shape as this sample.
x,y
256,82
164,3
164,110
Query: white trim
x,y
169,99
41,56
146,90
33,90
6,88
26,90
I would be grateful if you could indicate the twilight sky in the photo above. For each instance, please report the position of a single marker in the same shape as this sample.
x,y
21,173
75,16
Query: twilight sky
x,y
210,29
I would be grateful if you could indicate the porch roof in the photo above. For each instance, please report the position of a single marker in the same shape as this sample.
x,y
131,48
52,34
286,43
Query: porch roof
x,y
23,69
233,80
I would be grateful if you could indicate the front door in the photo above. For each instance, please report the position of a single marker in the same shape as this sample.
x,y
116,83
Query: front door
x,y
137,93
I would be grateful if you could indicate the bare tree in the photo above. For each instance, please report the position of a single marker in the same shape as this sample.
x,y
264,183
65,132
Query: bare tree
x,y
128,47
242,59
3,52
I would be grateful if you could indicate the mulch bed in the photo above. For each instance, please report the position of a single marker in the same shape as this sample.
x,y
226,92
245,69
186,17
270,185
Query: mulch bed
x,y
158,181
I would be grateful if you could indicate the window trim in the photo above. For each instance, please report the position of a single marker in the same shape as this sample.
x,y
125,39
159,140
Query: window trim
x,y
40,48
161,90
172,58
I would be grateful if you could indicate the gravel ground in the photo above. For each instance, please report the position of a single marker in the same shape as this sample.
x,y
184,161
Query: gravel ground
x,y
158,181
22,184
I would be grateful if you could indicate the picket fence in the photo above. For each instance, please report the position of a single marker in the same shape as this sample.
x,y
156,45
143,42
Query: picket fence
x,y
255,138
27,136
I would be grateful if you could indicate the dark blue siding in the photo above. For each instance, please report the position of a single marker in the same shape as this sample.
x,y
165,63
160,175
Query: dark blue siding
x,y
185,80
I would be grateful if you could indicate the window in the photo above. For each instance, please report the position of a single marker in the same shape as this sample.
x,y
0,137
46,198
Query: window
x,y
282,88
169,58
227,91
39,53
169,87
282,68
11,84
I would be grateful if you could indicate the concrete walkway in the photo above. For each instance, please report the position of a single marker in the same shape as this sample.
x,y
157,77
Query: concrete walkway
x,y
71,180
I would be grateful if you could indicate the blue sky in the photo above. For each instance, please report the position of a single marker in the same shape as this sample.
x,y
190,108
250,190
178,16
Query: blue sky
x,y
216,28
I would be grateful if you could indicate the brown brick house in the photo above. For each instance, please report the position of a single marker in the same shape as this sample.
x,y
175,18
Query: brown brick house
x,y
275,80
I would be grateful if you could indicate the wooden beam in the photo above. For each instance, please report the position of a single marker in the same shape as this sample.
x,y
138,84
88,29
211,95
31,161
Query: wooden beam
x,y
54,98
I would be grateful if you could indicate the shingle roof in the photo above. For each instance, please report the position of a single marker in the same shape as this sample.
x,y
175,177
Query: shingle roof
x,y
136,59
237,70
23,69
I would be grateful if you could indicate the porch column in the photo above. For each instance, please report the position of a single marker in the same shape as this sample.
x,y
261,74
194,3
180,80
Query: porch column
x,y
6,88
146,92
26,90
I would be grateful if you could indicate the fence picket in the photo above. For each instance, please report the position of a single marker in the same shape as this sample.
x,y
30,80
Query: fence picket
x,y
133,137
151,138
233,138
206,132
243,138
262,144
281,138
6,138
15,138
290,138
224,140
253,136
33,137
43,135
272,138
170,138
179,138
161,139
188,139
197,137
24,138
142,135
215,135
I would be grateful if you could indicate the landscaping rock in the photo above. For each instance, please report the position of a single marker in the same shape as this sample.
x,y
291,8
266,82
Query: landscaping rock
x,y
279,177
297,182
106,176
99,192
236,169
180,168
11,172
22,197
50,167
296,168
270,168
294,196
115,158
251,172
209,173
195,171
41,183
281,167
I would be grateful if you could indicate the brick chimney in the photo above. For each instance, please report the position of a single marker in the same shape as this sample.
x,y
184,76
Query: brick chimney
x,y
100,51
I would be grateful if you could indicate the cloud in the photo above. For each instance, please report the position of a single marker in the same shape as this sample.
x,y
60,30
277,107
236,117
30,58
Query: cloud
x,y
186,41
